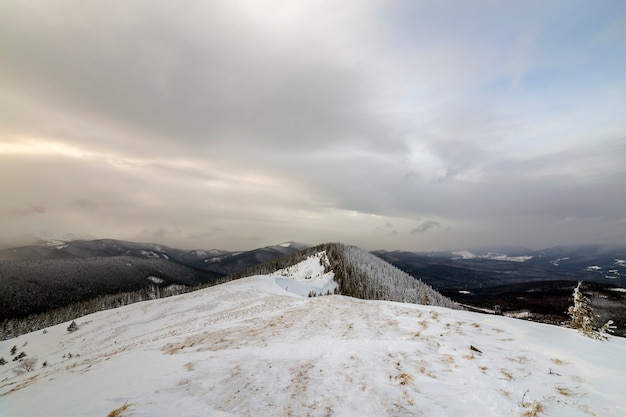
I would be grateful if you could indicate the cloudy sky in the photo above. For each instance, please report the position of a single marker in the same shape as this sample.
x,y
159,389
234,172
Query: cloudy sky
x,y
236,124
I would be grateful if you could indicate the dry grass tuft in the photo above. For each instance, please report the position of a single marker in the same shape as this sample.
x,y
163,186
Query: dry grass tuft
x,y
506,374
404,378
564,391
118,411
190,366
558,361
447,358
534,409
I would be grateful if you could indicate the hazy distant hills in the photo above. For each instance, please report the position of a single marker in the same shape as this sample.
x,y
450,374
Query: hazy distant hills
x,y
478,268
524,283
214,260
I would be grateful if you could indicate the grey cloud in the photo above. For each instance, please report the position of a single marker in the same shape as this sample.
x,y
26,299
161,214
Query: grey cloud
x,y
425,227
83,204
263,127
231,85
30,209
204,235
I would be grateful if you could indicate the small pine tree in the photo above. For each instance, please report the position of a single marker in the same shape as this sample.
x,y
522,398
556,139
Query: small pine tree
x,y
72,327
581,312
13,350
2,361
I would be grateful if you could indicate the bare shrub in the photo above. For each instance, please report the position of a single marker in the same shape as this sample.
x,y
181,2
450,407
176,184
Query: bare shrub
x,y
25,365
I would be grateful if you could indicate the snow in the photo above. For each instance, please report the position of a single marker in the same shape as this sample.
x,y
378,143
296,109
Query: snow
x,y
464,254
285,245
499,257
307,277
251,348
594,268
620,262
156,280
555,262
149,254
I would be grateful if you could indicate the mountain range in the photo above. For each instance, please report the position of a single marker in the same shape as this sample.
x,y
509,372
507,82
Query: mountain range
x,y
259,346
512,280
213,260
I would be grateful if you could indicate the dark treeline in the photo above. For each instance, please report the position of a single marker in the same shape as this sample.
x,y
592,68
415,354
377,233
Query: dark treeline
x,y
36,286
14,327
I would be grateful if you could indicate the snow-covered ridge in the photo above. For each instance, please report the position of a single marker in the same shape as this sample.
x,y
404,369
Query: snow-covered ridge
x,y
250,348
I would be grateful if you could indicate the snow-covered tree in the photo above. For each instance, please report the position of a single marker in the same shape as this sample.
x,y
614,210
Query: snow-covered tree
x,y
581,312
72,327
582,317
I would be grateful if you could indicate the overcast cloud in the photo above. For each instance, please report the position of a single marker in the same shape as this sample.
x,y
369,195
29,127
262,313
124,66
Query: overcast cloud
x,y
387,124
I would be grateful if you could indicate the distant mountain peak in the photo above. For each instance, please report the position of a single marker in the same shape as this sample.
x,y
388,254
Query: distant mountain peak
x,y
293,244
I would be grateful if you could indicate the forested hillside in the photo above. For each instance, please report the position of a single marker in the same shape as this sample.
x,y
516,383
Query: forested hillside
x,y
35,286
362,275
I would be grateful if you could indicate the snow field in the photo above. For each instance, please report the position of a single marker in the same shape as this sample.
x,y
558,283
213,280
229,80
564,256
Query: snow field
x,y
251,348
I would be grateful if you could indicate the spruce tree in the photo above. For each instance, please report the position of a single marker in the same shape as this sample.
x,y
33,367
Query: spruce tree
x,y
581,312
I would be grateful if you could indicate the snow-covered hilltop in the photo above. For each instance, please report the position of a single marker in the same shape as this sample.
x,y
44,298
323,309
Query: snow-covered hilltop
x,y
361,274
252,347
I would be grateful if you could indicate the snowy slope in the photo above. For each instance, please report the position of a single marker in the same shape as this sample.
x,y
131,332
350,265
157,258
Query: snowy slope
x,y
308,277
252,348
